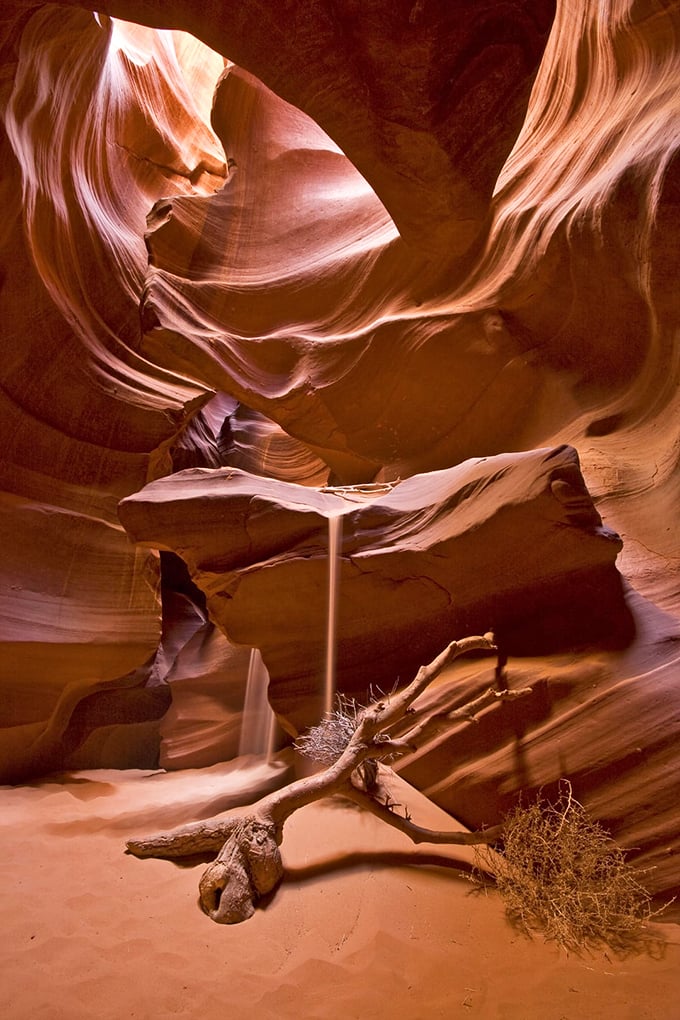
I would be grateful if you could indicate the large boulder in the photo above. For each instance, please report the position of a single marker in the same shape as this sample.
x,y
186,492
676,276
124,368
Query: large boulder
x,y
511,543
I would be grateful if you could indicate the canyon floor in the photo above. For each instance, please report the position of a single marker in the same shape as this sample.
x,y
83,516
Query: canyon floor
x,y
363,926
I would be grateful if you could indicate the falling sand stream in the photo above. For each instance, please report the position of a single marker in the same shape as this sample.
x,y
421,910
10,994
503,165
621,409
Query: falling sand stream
x,y
258,723
352,494
334,548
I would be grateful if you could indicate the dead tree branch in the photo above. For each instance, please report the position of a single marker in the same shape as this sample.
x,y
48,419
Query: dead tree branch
x,y
248,863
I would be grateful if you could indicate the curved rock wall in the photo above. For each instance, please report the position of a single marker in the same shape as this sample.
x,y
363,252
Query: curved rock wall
x,y
89,143
348,242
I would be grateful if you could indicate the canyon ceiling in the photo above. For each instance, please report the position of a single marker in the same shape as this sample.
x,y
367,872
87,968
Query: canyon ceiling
x,y
281,246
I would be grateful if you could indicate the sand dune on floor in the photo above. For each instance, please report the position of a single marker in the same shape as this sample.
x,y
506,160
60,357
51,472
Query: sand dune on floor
x,y
363,926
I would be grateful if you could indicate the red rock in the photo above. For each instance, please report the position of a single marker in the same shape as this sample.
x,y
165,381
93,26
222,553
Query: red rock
x,y
509,543
435,232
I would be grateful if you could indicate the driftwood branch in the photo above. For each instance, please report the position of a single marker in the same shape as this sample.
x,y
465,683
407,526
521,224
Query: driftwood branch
x,y
248,863
387,812
194,838
466,713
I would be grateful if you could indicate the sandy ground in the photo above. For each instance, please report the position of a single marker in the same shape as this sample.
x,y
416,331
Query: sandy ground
x,y
364,925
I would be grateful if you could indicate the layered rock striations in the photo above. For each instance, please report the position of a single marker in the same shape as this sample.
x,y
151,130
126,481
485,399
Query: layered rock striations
x,y
348,243
87,146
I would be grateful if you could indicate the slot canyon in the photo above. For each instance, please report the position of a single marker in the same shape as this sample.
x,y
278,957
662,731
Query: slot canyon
x,y
333,331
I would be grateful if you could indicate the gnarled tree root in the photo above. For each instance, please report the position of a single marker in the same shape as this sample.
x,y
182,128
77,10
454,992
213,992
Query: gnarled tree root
x,y
247,867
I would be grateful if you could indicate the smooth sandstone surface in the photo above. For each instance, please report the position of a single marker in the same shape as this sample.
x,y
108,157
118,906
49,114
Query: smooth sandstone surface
x,y
327,244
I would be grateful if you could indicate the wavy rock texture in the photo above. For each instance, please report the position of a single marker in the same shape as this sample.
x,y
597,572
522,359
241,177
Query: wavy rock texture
x,y
348,242
88,145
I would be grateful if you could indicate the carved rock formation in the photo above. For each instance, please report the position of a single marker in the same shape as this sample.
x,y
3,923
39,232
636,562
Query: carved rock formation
x,y
348,242
512,542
